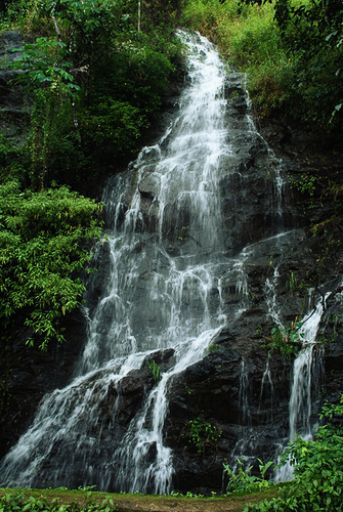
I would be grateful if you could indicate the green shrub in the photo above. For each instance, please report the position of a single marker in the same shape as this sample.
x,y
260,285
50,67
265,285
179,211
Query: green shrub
x,y
44,246
96,80
113,128
291,49
287,340
242,480
318,470
155,370
249,37
202,434
15,502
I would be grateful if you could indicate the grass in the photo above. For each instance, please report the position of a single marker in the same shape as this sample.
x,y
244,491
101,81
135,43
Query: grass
x,y
148,503
249,38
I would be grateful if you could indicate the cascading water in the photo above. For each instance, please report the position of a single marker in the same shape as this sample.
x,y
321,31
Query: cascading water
x,y
167,263
243,394
189,221
271,299
267,386
300,403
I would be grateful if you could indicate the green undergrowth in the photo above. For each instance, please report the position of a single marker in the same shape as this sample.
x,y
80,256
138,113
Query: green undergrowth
x,y
318,469
95,82
291,50
87,500
13,502
45,241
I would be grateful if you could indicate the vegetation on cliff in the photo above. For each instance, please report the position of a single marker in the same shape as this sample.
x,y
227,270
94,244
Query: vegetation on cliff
x,y
93,82
291,49
44,248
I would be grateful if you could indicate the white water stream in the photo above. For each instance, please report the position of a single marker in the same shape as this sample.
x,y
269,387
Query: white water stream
x,y
300,403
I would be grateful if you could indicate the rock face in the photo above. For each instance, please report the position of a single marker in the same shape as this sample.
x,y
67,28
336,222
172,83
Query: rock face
x,y
240,389
26,374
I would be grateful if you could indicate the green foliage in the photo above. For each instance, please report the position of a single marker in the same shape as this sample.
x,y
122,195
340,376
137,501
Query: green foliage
x,y
318,470
114,127
45,240
202,434
44,66
155,370
250,38
296,285
305,184
47,77
287,341
95,82
213,347
10,157
291,50
313,35
203,15
292,282
242,480
188,494
15,502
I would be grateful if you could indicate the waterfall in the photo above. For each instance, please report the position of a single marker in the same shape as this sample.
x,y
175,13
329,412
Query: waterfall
x,y
300,403
273,310
163,291
267,386
187,223
243,394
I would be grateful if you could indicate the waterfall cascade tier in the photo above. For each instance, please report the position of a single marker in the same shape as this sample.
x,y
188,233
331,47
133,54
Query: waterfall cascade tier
x,y
191,267
154,300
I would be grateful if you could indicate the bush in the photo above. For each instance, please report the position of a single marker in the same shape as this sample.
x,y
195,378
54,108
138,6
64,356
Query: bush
x,y
112,128
318,470
202,434
44,240
90,72
249,37
242,480
11,502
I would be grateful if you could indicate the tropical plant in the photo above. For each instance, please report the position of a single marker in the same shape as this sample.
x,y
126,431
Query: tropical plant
x,y
242,479
285,340
202,434
47,75
318,469
45,245
15,502
155,370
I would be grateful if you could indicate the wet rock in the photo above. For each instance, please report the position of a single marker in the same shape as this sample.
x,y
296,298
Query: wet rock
x,y
27,374
210,391
149,185
99,279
